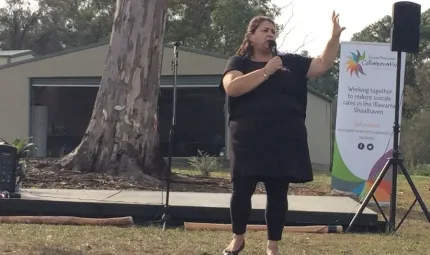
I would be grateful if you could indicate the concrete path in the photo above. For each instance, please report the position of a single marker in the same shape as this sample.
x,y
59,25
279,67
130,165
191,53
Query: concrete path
x,y
327,204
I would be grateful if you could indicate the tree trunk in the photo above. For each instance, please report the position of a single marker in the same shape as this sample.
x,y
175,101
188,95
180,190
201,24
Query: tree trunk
x,y
121,137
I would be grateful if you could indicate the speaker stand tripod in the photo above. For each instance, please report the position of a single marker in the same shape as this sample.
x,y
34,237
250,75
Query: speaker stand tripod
x,y
166,216
396,162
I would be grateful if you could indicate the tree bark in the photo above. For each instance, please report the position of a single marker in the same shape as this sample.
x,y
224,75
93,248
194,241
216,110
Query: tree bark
x,y
121,137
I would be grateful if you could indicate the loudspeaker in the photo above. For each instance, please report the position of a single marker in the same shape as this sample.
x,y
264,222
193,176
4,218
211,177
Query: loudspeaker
x,y
405,27
8,167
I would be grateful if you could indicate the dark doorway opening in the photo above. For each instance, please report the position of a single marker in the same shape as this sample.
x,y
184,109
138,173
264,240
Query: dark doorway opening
x,y
60,116
200,121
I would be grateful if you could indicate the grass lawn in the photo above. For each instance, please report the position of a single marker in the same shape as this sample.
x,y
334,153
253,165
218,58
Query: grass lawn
x,y
412,238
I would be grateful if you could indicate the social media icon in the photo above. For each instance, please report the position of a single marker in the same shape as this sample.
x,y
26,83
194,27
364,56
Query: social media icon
x,y
370,146
361,146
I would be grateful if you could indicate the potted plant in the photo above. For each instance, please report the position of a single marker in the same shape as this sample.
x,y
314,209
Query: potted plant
x,y
23,147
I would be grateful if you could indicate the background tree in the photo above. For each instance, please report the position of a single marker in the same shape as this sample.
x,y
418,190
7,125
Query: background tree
x,y
120,138
326,84
215,25
53,25
380,32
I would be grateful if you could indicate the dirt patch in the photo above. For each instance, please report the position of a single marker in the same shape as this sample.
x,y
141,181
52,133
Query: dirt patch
x,y
40,174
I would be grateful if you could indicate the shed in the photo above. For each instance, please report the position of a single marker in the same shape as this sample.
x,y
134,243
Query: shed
x,y
51,98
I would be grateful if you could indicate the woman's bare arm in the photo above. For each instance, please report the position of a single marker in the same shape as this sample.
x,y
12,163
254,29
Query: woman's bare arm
x,y
236,83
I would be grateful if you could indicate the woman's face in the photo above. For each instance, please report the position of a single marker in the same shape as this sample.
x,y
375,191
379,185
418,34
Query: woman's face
x,y
264,32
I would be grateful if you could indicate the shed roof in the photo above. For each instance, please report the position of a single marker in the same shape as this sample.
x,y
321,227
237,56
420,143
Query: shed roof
x,y
15,53
102,43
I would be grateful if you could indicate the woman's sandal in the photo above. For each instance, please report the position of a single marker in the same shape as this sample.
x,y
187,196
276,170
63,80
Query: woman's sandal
x,y
236,252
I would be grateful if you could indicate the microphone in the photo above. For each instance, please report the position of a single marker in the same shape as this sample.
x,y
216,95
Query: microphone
x,y
272,46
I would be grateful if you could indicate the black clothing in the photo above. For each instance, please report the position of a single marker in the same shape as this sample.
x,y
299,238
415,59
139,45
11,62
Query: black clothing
x,y
268,136
240,204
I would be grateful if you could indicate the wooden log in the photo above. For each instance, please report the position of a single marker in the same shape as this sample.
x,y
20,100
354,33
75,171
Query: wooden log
x,y
67,220
317,229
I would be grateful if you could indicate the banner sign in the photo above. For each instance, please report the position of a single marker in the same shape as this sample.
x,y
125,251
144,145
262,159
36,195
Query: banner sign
x,y
365,116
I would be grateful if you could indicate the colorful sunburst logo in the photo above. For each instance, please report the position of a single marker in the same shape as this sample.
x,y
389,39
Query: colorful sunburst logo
x,y
353,63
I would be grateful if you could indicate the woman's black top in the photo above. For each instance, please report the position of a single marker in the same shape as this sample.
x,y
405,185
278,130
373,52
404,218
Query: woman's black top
x,y
283,94
268,136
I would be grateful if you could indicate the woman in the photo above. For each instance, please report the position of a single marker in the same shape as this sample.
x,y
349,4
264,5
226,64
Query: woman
x,y
267,107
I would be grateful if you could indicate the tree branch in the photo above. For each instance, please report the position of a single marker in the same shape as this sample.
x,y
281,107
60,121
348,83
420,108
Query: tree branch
x,y
285,6
286,23
287,33
304,43
31,22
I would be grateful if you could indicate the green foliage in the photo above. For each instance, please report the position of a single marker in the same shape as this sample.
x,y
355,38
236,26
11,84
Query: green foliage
x,y
23,147
51,25
214,25
204,163
380,32
420,170
414,139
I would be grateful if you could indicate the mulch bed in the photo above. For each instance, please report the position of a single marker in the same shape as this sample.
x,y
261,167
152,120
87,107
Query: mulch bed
x,y
40,174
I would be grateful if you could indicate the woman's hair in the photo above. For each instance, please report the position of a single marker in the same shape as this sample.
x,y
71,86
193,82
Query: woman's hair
x,y
245,48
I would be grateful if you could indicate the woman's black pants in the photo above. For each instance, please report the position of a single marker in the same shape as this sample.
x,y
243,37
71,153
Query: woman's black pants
x,y
276,207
